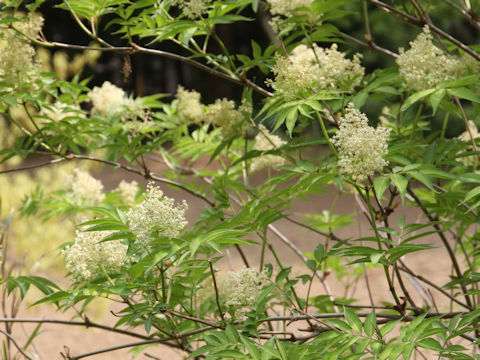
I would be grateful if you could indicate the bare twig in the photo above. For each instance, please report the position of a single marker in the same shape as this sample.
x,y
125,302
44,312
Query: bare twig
x,y
217,298
10,337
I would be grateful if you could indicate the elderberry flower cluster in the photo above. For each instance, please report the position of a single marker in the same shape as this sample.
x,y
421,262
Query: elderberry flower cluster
x,y
281,9
241,289
17,57
86,190
286,7
128,191
265,141
190,109
315,68
89,256
193,9
110,99
223,114
425,65
156,215
361,147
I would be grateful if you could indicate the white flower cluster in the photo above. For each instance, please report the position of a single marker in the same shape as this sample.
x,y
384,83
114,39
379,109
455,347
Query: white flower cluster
x,y
265,141
241,289
88,257
286,7
282,9
315,68
361,147
128,191
190,108
17,63
223,114
86,190
156,214
424,65
110,99
193,9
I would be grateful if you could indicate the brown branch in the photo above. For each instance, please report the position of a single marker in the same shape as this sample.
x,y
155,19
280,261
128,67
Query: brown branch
x,y
10,337
404,17
86,324
369,45
144,173
235,79
445,242
217,298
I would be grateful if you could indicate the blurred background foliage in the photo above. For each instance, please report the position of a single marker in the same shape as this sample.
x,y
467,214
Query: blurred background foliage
x,y
142,74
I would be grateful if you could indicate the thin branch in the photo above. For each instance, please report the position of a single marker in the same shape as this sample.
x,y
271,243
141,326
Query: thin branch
x,y
217,299
421,22
86,324
445,242
235,79
471,19
433,285
369,45
143,173
10,337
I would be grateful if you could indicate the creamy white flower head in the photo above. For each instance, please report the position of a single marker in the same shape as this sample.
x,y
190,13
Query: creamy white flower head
x,y
86,190
193,9
286,7
190,108
223,114
241,289
360,147
128,191
88,257
316,68
156,213
108,99
17,58
425,65
265,141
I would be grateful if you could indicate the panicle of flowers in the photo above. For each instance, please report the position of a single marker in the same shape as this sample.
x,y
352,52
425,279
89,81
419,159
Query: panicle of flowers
x,y
315,68
89,257
128,191
157,214
193,9
190,108
17,57
361,147
223,114
265,141
86,190
425,65
241,289
109,99
282,9
286,7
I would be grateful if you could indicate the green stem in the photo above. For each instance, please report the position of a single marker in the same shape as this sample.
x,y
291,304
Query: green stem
x,y
444,126
325,133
